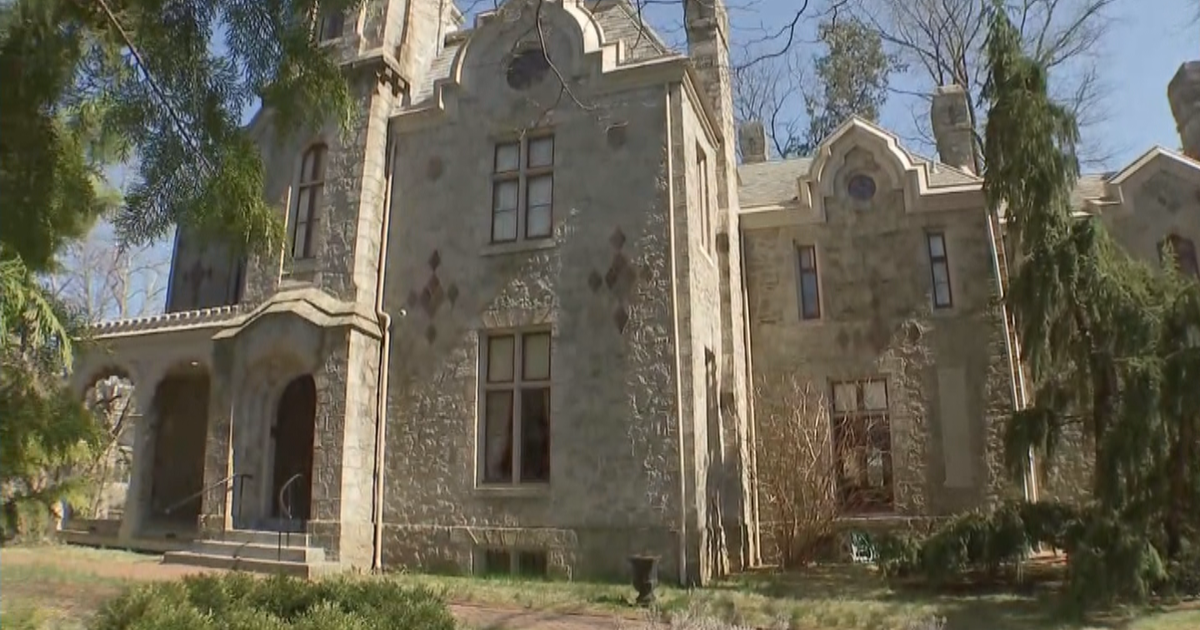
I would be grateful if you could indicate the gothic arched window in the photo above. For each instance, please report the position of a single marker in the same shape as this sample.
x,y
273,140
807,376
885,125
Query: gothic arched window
x,y
311,183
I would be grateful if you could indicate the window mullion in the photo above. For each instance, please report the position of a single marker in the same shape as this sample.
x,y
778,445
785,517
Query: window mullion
x,y
518,363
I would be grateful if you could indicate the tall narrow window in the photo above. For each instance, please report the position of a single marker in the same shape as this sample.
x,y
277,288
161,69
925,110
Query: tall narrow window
x,y
705,198
330,25
862,441
303,220
810,289
1183,252
523,190
516,409
939,266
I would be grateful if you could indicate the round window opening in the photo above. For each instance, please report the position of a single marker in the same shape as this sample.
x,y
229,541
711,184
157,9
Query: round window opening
x,y
861,188
526,68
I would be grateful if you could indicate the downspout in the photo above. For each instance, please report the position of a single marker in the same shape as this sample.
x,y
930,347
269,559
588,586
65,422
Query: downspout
x,y
385,345
678,356
1014,361
751,420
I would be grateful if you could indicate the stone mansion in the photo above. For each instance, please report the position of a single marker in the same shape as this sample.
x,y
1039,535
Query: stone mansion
x,y
533,312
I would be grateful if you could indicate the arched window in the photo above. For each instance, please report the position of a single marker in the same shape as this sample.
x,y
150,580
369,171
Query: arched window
x,y
303,222
1183,251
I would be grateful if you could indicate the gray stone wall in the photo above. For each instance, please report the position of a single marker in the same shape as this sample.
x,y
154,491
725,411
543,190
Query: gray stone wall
x,y
945,369
602,286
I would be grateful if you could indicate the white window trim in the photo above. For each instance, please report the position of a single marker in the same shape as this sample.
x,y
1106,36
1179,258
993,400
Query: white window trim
x,y
522,176
514,386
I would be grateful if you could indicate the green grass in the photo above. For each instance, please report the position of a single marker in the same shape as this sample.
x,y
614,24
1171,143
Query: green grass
x,y
64,585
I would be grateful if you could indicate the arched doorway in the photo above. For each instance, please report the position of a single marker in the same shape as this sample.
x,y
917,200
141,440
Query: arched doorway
x,y
292,435
180,436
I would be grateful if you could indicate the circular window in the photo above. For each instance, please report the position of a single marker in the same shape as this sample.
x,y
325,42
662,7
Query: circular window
x,y
526,68
861,188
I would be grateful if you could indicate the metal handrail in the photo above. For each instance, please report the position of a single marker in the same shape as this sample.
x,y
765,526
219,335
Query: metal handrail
x,y
285,510
241,477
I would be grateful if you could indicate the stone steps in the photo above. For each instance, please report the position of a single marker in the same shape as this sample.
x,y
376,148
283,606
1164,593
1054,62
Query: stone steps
x,y
256,551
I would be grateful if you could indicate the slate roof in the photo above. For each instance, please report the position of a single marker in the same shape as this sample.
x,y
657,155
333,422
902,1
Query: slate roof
x,y
616,18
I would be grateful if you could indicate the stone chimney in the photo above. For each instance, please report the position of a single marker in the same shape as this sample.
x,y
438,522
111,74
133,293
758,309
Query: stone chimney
x,y
752,139
1184,94
707,23
952,127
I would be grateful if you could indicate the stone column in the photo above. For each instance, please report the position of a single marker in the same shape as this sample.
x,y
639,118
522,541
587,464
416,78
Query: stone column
x,y
218,460
141,474
1184,94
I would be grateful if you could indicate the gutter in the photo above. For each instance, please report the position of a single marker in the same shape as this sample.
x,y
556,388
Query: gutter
x,y
385,346
678,357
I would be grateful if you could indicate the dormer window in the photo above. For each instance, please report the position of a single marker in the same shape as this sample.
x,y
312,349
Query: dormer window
x,y
330,25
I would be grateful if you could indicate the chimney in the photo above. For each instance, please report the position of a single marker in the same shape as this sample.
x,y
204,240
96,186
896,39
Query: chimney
x,y
707,23
1184,94
752,139
952,127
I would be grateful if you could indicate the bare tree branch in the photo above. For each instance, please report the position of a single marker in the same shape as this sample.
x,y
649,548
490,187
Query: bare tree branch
x,y
943,40
104,282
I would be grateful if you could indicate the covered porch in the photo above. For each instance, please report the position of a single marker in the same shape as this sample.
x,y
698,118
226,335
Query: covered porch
x,y
150,379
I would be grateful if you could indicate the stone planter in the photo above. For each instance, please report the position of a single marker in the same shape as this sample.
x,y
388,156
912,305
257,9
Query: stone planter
x,y
645,577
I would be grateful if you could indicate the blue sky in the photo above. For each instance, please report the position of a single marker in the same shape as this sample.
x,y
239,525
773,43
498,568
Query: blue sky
x,y
1138,56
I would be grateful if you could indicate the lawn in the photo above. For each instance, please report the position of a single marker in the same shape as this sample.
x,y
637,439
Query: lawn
x,y
63,585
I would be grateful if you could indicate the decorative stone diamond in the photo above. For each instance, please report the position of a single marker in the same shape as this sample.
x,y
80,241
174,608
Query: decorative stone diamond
x,y
435,260
595,281
621,318
432,296
616,271
617,240
452,293
430,334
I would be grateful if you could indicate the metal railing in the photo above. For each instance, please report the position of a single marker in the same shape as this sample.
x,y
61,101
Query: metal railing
x,y
285,511
239,477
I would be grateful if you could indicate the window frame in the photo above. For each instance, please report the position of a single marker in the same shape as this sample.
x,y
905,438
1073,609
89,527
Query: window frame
x,y
327,18
861,413
515,387
513,557
316,189
705,185
522,176
801,272
936,260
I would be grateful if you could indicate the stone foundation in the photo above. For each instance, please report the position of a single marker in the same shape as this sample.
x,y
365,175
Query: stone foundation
x,y
599,554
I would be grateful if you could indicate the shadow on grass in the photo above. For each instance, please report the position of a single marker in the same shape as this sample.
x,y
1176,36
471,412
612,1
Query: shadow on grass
x,y
1031,605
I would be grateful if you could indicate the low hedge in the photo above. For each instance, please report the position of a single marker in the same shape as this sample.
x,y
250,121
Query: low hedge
x,y
238,601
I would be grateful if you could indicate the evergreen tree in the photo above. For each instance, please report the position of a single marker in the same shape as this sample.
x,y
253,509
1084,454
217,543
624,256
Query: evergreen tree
x,y
852,80
91,83
1099,332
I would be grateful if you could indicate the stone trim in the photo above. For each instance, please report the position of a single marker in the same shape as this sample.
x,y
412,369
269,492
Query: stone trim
x,y
314,305
167,322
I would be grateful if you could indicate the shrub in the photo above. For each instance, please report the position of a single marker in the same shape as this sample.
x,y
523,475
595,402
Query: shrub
x,y
239,602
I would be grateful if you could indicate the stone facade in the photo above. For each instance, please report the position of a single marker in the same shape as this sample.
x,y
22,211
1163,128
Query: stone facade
x,y
513,327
